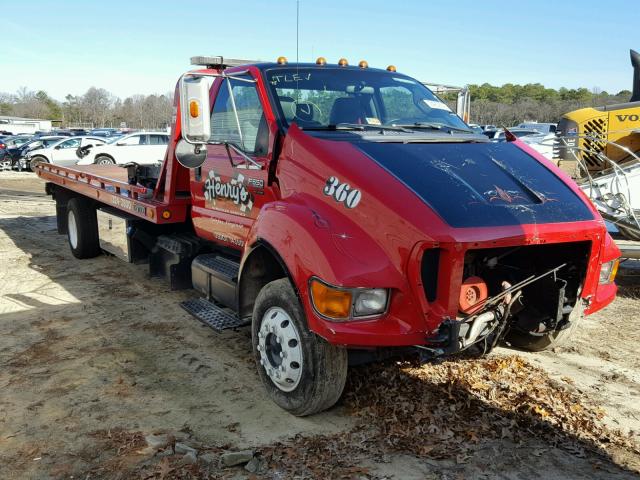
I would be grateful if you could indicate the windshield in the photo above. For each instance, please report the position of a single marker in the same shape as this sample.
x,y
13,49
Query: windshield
x,y
323,97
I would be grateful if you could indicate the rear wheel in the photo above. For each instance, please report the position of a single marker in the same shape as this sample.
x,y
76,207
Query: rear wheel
x,y
82,229
538,342
104,160
301,372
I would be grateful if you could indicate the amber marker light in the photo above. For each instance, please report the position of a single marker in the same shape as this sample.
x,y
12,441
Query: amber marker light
x,y
194,109
330,301
391,68
282,60
343,62
166,214
363,64
321,61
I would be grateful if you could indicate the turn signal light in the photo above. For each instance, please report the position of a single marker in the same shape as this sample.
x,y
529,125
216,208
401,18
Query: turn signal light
x,y
343,62
194,109
329,301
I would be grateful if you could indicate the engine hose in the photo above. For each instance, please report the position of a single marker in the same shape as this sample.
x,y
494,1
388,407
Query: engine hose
x,y
503,325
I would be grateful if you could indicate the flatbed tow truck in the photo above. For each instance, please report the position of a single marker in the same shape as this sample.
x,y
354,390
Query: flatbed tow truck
x,y
344,213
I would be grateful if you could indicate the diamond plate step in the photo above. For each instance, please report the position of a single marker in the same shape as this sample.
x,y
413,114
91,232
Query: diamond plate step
x,y
224,267
212,315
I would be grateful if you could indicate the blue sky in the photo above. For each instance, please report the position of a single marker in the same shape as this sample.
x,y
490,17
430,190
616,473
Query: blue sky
x,y
142,47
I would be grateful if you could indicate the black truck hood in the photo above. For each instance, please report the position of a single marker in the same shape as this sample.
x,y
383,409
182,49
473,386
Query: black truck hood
x,y
480,184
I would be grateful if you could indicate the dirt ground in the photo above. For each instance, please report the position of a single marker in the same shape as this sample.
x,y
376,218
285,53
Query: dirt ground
x,y
94,356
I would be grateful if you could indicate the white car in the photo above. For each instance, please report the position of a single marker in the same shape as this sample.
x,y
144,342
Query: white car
x,y
145,148
64,151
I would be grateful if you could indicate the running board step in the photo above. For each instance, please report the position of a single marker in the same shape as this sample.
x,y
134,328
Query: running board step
x,y
216,277
212,315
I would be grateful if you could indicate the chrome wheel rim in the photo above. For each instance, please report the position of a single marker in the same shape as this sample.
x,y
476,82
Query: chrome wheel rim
x,y
72,228
104,161
280,349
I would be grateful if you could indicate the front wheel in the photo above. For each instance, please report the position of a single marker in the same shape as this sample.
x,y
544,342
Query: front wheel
x,y
301,372
36,159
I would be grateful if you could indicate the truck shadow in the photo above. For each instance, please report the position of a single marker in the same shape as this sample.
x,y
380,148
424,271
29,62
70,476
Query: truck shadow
x,y
91,345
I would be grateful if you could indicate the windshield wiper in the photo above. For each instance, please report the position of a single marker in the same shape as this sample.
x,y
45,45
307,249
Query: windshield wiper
x,y
436,126
360,126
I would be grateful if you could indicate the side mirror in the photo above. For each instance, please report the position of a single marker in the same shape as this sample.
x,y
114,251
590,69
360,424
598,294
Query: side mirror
x,y
57,147
120,144
195,109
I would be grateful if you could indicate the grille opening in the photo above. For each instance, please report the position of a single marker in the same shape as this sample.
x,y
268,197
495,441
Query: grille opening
x,y
546,302
429,273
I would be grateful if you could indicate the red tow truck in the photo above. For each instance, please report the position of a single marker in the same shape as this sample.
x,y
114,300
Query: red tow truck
x,y
344,213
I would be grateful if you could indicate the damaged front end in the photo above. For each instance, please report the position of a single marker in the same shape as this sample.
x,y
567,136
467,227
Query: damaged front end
x,y
524,295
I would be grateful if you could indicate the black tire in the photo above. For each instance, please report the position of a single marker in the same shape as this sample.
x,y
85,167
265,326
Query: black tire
x,y
35,159
324,366
104,160
82,228
546,341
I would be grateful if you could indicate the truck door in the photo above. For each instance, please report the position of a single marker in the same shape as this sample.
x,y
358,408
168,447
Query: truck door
x,y
231,186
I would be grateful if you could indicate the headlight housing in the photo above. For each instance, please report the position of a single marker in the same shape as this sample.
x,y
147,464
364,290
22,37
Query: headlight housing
x,y
608,271
343,304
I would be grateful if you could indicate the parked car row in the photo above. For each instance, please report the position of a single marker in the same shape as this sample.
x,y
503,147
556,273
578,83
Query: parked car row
x,y
19,152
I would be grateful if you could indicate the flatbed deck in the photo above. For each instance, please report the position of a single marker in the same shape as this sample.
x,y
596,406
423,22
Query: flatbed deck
x,y
108,184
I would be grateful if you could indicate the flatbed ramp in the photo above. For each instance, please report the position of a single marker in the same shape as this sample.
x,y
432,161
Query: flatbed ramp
x,y
109,184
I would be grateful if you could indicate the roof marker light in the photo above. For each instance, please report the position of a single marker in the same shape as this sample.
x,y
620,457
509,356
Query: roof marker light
x,y
282,60
321,61
363,64
391,68
343,62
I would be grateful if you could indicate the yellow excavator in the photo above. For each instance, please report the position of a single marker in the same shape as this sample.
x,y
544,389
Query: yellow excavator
x,y
584,136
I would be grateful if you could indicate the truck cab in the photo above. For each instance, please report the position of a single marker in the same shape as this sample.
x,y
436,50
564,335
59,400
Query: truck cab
x,y
342,212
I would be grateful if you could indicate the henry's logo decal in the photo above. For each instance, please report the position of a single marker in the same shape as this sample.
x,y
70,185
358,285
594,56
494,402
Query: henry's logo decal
x,y
234,190
631,118
342,192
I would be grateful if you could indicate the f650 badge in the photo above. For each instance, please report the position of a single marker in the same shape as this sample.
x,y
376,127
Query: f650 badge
x,y
342,192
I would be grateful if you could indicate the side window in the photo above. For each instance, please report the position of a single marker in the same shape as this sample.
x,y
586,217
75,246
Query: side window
x,y
158,140
73,143
224,124
134,140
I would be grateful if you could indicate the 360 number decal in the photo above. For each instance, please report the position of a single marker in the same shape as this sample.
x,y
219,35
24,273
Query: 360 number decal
x,y
342,192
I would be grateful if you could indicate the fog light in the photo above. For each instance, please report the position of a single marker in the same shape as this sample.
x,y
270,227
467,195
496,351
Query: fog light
x,y
608,271
370,302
